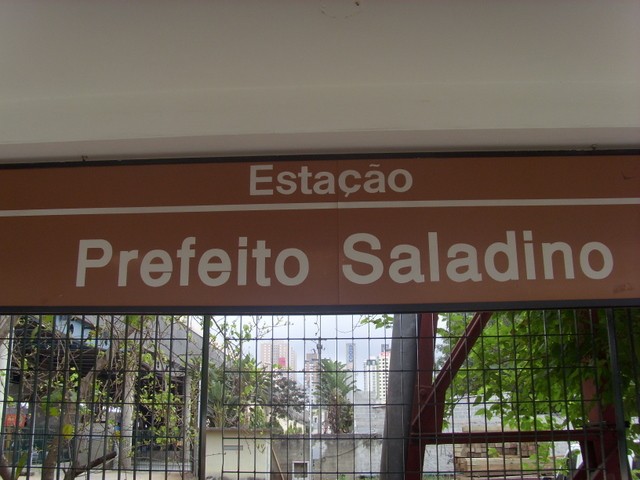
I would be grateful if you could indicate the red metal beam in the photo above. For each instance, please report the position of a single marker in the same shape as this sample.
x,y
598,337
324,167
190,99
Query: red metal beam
x,y
423,390
429,394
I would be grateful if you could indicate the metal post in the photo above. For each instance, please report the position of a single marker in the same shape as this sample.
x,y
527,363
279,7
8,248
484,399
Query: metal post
x,y
625,473
204,398
310,469
310,464
319,346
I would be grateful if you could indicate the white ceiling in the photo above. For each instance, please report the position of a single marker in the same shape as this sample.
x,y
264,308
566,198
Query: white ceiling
x,y
123,79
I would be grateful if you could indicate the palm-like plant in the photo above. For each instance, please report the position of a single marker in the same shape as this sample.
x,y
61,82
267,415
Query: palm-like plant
x,y
332,392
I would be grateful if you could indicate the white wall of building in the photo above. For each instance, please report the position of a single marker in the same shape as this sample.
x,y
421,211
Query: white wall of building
x,y
118,79
232,455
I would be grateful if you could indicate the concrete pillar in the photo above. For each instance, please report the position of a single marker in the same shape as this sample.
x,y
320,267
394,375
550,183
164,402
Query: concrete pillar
x,y
402,374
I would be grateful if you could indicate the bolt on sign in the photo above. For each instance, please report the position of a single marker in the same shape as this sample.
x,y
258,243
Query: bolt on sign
x,y
366,233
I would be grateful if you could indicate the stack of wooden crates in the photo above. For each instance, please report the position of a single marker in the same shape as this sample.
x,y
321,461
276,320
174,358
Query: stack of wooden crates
x,y
501,460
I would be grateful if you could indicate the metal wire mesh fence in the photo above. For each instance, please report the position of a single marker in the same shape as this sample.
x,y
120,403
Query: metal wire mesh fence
x,y
526,394
82,393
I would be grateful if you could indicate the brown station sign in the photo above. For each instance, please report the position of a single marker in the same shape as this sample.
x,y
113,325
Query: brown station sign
x,y
332,233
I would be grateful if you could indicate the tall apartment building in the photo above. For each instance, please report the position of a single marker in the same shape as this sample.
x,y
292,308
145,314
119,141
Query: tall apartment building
x,y
383,372
376,375
278,355
370,371
350,356
311,370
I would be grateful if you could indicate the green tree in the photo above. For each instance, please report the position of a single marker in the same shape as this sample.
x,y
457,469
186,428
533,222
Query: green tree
x,y
237,393
243,393
543,369
75,388
286,397
144,358
235,385
54,385
548,369
334,387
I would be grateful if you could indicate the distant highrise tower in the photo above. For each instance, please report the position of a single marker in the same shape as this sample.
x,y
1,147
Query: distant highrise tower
x,y
278,355
311,371
350,356
383,374
371,377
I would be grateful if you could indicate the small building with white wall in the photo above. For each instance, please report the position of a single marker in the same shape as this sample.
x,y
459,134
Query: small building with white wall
x,y
237,453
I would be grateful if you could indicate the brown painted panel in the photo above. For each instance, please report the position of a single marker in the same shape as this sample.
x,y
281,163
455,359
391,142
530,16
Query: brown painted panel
x,y
333,233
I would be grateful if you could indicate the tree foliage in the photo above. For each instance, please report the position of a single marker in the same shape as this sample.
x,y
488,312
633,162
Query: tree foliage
x,y
332,392
286,396
71,386
242,392
54,385
544,369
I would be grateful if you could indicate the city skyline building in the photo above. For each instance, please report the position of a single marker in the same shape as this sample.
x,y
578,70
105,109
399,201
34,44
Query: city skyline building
x,y
383,373
278,354
370,372
311,371
350,356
